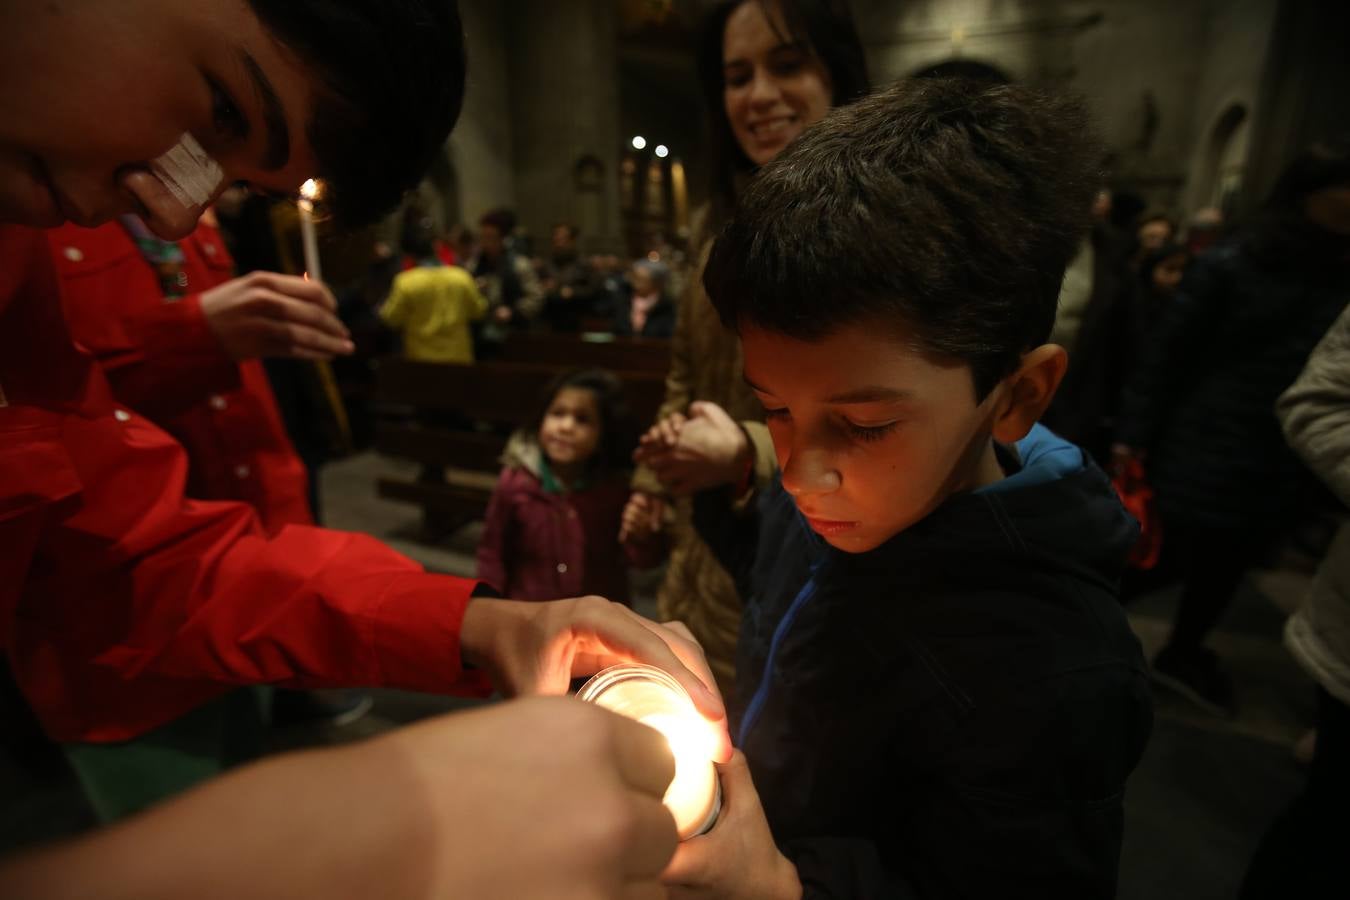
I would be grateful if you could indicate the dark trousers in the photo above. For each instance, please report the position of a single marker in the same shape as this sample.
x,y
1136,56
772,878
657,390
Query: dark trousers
x,y
1303,854
1211,563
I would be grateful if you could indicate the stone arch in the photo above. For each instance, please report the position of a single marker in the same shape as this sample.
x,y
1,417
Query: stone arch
x,y
1225,160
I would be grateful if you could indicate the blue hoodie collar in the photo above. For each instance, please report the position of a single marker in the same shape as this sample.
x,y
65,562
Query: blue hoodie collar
x,y
1044,457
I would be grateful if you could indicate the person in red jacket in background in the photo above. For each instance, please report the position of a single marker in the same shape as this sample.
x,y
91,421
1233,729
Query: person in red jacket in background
x,y
123,604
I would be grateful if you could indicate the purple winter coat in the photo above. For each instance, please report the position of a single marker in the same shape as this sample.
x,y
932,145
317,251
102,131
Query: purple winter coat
x,y
538,545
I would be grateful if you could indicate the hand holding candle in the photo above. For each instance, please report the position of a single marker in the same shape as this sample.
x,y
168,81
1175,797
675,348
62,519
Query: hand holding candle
x,y
652,697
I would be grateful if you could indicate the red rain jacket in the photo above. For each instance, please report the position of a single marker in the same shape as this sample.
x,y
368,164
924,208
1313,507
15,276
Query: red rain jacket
x,y
163,361
122,604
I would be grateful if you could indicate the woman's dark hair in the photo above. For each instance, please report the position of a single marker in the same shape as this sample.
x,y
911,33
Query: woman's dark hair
x,y
618,427
391,76
1280,234
942,209
824,28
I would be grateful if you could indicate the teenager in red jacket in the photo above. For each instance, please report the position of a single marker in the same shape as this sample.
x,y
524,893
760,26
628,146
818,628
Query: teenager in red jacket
x,y
162,320
122,604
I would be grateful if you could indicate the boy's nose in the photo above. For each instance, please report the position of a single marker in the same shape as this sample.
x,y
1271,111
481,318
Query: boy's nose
x,y
809,472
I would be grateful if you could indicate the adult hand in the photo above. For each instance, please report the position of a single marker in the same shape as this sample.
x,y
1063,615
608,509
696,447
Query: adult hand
x,y
643,517
268,314
547,798
534,798
738,858
538,648
708,449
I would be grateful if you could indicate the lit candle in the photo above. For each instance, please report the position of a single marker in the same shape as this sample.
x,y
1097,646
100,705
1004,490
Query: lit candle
x,y
653,698
309,192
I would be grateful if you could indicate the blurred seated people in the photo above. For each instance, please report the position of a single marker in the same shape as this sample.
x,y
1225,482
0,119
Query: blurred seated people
x,y
179,337
1151,233
571,286
1093,322
1205,227
648,312
506,278
433,304
1198,411
614,287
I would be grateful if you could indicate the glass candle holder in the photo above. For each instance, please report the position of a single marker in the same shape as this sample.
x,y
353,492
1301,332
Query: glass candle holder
x,y
653,698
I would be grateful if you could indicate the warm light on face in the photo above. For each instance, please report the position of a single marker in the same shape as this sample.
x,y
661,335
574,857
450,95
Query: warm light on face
x,y
655,699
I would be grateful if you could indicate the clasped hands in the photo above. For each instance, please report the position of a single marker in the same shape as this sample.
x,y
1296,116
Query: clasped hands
x,y
704,449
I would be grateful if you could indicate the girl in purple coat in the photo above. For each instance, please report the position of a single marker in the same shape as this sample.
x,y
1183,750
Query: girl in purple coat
x,y
554,521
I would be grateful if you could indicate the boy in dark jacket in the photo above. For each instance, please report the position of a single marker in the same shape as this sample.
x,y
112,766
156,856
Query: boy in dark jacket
x,y
938,694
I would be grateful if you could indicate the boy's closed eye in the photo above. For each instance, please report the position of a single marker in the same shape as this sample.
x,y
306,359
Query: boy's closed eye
x,y
859,430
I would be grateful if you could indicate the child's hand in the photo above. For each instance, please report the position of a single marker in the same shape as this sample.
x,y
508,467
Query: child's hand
x,y
660,438
643,517
738,858
709,450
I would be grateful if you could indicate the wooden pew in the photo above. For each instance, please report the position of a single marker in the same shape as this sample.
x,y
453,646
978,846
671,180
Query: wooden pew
x,y
457,418
570,351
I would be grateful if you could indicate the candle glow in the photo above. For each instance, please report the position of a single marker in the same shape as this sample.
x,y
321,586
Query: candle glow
x,y
309,192
653,698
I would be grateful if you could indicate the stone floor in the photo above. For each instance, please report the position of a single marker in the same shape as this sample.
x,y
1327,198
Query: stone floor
x,y
1196,806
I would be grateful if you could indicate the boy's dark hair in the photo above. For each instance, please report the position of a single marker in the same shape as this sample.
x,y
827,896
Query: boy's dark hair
x,y
392,84
823,27
945,208
618,426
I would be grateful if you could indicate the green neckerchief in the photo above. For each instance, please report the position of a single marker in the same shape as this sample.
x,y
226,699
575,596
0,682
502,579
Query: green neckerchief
x,y
550,483
165,257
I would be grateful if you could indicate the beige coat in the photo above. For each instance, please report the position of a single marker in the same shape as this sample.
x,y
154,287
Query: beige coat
x,y
706,365
1315,413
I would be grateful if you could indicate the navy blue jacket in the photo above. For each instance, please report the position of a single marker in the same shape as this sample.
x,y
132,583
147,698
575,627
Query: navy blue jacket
x,y
954,713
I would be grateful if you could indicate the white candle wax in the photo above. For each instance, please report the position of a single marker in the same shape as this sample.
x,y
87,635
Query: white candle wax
x,y
309,192
653,698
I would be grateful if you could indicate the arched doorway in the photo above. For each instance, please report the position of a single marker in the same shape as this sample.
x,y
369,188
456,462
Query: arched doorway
x,y
1226,160
971,69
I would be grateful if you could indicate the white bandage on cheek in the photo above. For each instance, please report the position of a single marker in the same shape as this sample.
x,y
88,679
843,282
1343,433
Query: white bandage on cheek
x,y
189,172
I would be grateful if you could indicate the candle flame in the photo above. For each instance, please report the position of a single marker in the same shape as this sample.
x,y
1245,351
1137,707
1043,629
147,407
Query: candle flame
x,y
310,190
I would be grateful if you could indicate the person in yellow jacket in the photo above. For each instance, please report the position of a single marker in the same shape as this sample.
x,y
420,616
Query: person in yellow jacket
x,y
433,304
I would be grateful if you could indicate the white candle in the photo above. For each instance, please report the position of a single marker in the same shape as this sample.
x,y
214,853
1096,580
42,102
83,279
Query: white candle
x,y
309,192
653,698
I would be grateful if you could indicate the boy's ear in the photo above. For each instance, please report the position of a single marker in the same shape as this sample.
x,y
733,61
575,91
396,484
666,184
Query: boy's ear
x,y
1028,392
